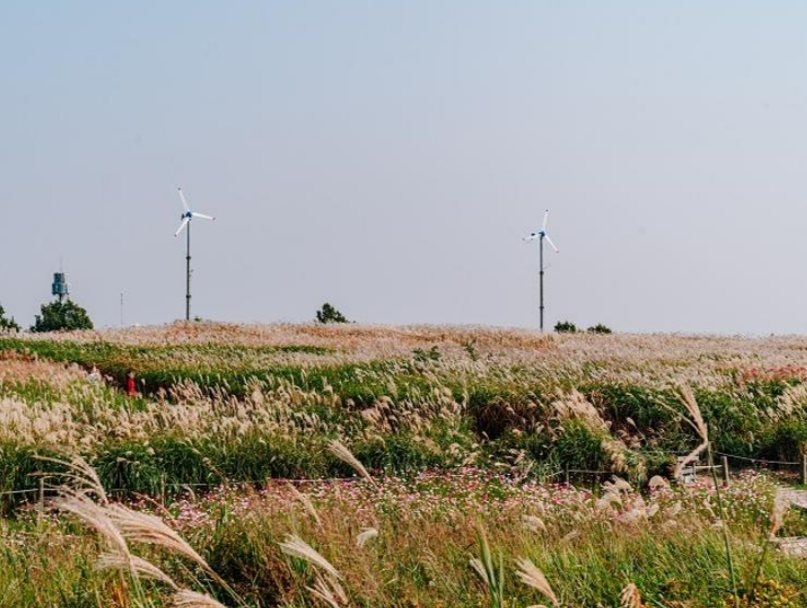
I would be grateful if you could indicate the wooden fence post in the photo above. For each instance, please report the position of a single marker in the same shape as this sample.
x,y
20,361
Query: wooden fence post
x,y
41,501
803,475
726,470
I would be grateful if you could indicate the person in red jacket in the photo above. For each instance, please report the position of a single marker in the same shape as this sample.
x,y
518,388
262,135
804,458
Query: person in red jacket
x,y
130,385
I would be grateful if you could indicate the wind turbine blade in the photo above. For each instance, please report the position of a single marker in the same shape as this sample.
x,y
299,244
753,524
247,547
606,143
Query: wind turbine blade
x,y
548,240
202,215
182,198
182,226
546,217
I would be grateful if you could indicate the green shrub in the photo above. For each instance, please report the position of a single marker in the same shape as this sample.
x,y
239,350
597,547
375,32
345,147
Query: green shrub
x,y
6,323
61,316
579,447
398,454
785,440
329,314
599,328
565,327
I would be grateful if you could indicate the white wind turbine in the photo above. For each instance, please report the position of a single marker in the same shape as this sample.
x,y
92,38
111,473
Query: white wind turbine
x,y
187,216
540,237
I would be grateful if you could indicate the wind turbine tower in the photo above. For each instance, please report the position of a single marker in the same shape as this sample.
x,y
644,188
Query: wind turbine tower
x,y
187,216
540,237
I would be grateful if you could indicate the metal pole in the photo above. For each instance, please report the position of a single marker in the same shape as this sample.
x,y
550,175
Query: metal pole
x,y
541,282
803,476
188,277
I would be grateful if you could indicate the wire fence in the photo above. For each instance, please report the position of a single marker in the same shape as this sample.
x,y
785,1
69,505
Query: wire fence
x,y
759,460
567,473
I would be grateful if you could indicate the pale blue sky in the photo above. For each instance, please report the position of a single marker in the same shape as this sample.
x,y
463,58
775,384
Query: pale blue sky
x,y
388,157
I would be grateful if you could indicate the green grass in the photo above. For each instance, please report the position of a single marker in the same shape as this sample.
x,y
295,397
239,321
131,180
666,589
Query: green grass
x,y
505,413
427,531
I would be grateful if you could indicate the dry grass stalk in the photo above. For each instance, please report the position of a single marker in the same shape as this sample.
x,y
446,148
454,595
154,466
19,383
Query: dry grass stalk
x,y
630,597
297,547
148,529
479,568
532,576
608,500
617,485
95,517
306,502
191,599
342,453
82,477
696,421
329,591
366,535
533,523
137,565
115,523
691,404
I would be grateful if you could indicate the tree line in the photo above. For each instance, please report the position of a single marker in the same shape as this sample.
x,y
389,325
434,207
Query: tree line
x,y
68,316
54,316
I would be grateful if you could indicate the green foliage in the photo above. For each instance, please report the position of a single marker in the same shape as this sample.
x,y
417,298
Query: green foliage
x,y
470,348
489,570
401,453
638,409
765,594
6,323
161,367
565,327
62,316
784,440
423,409
434,411
577,446
329,314
423,356
599,328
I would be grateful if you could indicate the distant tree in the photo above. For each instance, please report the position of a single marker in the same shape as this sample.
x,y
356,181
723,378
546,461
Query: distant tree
x,y
329,314
565,327
7,324
58,316
599,328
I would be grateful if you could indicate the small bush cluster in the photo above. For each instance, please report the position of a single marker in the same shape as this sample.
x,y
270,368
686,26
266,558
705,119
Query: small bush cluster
x,y
567,327
329,314
7,324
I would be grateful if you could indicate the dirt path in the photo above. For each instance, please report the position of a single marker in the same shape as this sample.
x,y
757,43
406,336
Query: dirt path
x,y
798,498
794,545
